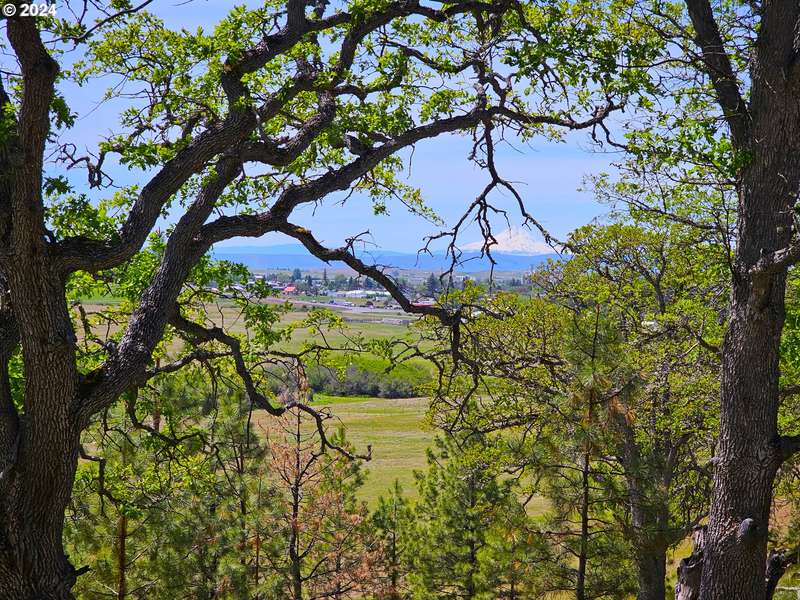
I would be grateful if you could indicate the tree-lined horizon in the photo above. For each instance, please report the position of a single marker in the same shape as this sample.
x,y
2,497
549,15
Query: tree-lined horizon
x,y
229,132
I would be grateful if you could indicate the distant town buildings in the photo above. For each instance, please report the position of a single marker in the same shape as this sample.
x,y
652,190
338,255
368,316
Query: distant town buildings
x,y
361,293
421,288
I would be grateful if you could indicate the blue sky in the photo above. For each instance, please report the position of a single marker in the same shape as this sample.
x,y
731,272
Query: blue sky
x,y
547,174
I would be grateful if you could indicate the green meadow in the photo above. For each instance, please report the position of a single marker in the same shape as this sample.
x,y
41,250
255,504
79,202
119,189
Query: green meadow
x,y
394,428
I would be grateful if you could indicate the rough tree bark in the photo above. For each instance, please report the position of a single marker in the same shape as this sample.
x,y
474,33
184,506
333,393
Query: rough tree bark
x,y
35,492
765,133
690,568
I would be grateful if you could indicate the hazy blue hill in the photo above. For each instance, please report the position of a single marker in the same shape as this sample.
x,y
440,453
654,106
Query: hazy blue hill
x,y
294,256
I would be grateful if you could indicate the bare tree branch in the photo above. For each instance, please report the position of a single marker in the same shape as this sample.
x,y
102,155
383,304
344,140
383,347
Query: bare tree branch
x,y
259,400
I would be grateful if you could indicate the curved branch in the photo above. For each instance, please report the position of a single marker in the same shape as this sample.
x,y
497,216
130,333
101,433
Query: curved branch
x,y
774,262
125,368
719,69
789,445
202,334
345,255
97,255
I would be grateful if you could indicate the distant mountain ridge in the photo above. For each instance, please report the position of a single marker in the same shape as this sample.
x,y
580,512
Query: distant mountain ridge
x,y
516,250
470,262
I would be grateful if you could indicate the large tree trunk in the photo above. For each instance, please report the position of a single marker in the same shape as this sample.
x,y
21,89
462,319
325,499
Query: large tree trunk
x,y
39,466
748,451
651,570
35,494
37,482
748,455
36,490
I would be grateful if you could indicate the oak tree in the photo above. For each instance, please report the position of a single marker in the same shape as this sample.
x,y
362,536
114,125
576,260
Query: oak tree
x,y
227,132
725,122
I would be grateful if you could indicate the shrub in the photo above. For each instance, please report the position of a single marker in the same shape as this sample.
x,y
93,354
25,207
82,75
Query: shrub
x,y
368,376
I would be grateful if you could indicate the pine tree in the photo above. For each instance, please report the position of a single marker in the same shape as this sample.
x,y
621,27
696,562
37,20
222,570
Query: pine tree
x,y
391,523
432,285
156,517
319,546
461,522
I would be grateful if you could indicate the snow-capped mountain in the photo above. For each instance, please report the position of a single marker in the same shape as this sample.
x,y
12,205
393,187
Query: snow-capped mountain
x,y
513,241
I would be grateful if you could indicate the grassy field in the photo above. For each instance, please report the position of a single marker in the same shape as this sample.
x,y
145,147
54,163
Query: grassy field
x,y
397,432
369,324
399,435
369,329
395,428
